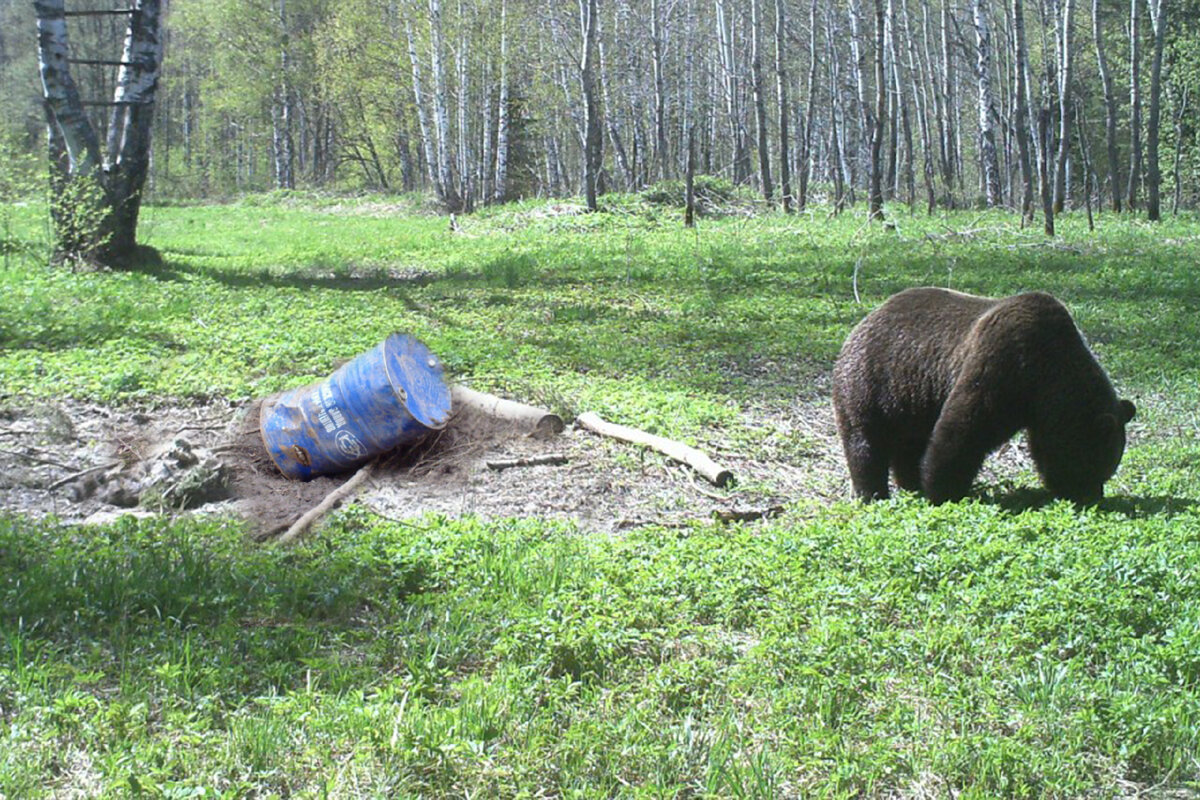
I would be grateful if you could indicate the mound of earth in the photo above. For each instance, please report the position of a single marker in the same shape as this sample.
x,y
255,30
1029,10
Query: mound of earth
x,y
88,463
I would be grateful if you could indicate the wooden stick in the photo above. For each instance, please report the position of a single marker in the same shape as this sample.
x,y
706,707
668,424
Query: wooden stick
x,y
551,459
301,526
715,473
48,462
746,516
540,420
82,473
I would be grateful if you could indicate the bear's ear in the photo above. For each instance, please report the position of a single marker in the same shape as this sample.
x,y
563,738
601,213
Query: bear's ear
x,y
1128,409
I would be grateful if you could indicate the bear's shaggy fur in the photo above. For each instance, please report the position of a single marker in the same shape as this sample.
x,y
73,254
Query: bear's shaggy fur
x,y
934,380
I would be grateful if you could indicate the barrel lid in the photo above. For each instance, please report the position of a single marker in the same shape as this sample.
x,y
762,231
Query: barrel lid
x,y
416,375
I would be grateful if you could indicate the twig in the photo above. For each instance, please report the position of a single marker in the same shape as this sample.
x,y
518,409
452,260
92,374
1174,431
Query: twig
x,y
857,267
199,428
682,453
301,526
746,516
550,459
38,460
98,468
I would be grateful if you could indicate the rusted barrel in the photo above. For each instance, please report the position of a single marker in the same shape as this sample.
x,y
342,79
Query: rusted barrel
x,y
389,396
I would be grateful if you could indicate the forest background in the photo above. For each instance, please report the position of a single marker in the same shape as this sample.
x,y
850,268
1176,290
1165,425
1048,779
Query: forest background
x,y
975,103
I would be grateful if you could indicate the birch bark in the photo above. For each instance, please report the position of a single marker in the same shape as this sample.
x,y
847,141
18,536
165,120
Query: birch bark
x,y
987,106
1110,109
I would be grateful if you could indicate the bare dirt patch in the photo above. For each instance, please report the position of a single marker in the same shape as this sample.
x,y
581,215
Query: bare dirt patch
x,y
88,463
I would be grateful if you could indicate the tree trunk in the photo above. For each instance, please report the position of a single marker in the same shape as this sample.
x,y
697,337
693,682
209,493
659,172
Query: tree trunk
x,y
760,102
99,223
1180,115
950,104
1044,170
804,163
1158,25
781,87
660,91
1135,105
612,118
1065,106
500,185
422,112
441,117
732,89
879,123
989,163
593,138
1022,114
1110,110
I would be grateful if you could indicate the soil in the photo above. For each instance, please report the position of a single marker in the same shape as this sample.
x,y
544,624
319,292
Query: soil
x,y
64,458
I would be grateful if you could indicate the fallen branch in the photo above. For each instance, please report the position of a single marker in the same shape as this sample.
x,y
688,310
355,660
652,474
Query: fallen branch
x,y
551,459
746,516
301,526
540,420
715,473
48,462
80,474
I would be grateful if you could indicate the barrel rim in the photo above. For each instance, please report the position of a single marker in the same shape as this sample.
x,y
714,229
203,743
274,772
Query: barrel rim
x,y
391,346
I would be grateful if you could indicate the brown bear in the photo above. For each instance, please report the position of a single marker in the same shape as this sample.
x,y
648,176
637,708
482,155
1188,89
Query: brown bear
x,y
934,380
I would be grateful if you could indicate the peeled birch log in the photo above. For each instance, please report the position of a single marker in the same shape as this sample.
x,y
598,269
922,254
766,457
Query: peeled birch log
x,y
539,420
713,472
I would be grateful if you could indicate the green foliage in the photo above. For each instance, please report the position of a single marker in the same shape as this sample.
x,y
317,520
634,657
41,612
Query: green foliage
x,y
863,651
998,647
713,194
79,210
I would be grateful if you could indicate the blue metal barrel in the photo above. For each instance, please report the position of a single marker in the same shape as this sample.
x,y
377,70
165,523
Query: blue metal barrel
x,y
386,397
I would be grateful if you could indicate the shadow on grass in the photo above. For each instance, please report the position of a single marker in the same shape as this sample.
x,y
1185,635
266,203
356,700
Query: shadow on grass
x,y
1019,500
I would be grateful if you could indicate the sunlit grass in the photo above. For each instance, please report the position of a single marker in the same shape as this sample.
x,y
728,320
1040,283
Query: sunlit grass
x,y
997,647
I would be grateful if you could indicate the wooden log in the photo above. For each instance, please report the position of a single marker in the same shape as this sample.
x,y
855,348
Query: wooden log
x,y
549,459
302,525
713,472
540,421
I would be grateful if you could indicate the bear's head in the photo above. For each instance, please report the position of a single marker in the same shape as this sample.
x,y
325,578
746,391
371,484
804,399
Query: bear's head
x,y
1076,457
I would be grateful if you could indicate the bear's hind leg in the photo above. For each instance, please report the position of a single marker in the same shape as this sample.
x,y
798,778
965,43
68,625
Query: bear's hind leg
x,y
868,462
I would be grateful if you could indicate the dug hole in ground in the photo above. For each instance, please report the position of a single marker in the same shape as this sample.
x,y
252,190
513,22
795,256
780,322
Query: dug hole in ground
x,y
88,463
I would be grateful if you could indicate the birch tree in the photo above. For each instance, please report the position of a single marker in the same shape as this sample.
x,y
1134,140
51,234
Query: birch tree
x,y
441,116
1110,108
1158,24
120,173
1135,104
1021,68
589,13
760,102
879,123
500,183
989,162
781,90
1066,61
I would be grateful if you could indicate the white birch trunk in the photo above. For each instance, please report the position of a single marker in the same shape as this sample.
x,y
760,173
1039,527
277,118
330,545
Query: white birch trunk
x,y
987,106
501,181
422,111
441,117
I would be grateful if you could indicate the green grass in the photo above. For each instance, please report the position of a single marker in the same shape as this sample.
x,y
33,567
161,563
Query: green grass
x,y
874,651
998,647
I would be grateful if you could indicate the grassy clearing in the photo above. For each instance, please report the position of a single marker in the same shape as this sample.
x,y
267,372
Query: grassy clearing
x,y
999,647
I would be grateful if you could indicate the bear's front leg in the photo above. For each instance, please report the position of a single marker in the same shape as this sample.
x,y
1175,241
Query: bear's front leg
x,y
966,431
